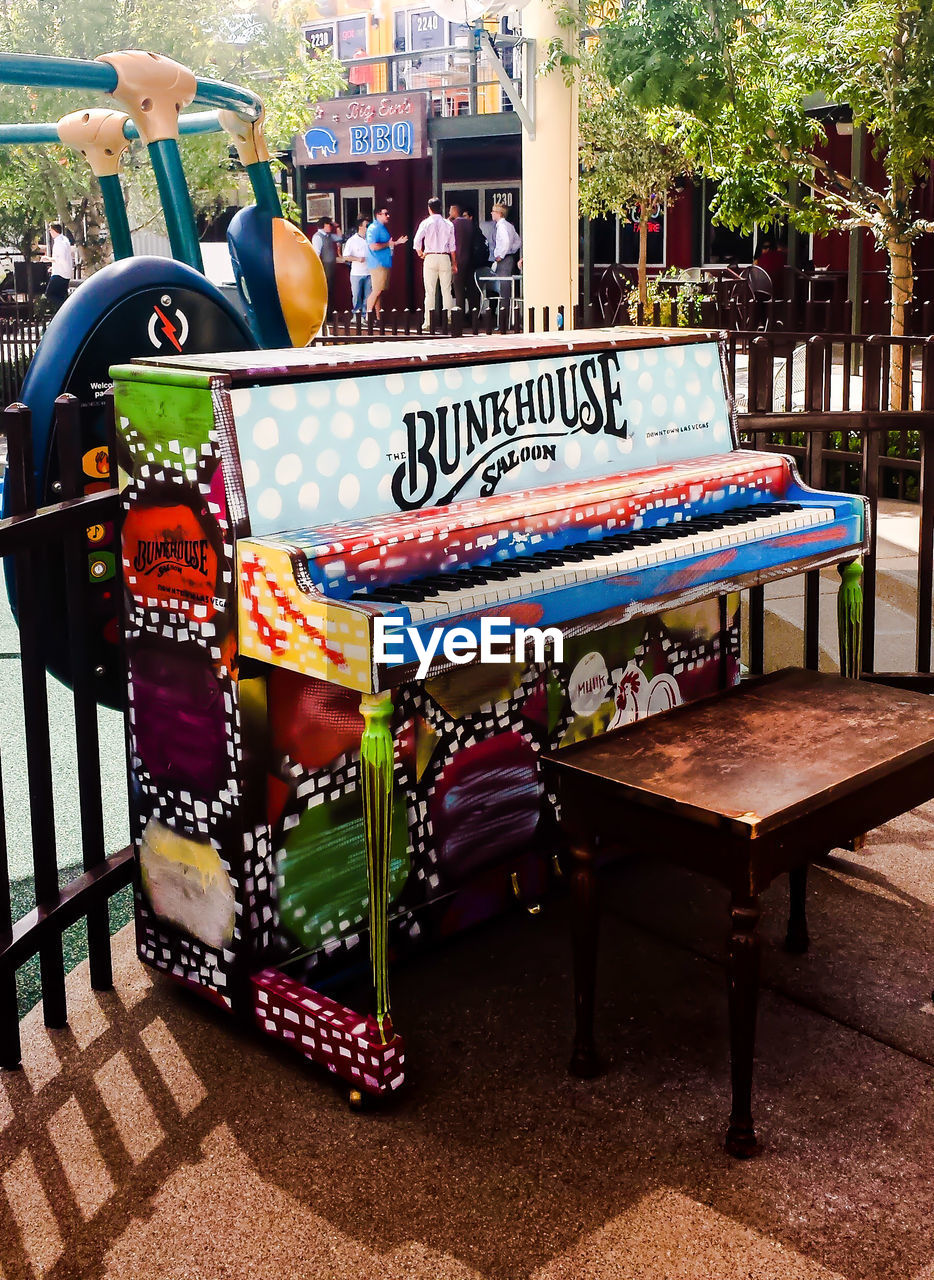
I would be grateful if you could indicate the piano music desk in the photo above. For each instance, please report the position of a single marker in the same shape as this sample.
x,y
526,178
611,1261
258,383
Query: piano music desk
x,y
742,786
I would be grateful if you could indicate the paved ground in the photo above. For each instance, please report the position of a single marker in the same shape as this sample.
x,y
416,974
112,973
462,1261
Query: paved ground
x,y
152,1140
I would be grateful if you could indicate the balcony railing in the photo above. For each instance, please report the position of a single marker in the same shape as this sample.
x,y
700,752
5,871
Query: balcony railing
x,y
458,78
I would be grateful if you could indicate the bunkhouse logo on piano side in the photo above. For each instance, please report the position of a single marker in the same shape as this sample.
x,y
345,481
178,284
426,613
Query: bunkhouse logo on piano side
x,y
160,555
496,431
171,558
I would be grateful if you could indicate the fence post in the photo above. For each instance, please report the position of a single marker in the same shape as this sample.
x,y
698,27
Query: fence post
x,y
93,852
873,364
10,1051
814,468
29,578
926,502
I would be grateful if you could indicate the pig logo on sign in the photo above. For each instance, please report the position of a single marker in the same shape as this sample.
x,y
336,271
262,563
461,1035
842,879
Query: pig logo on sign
x,y
322,140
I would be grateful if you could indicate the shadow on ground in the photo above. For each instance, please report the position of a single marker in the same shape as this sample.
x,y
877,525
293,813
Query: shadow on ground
x,y
151,1139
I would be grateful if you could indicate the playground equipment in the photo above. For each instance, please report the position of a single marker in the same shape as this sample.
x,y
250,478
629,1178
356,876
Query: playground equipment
x,y
146,305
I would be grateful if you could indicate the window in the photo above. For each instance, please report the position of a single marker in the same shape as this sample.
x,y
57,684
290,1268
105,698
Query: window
x,y
320,39
351,37
426,31
615,239
722,244
356,203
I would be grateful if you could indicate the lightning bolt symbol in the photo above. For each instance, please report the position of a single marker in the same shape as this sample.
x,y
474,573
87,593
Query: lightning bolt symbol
x,y
168,328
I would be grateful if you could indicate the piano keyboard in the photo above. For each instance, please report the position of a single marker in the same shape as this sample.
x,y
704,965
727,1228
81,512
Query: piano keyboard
x,y
445,594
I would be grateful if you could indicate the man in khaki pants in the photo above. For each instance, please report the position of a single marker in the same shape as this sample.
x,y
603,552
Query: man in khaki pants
x,y
434,244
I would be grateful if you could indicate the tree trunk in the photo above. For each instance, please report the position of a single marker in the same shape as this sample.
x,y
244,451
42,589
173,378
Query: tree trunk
x,y
643,255
900,271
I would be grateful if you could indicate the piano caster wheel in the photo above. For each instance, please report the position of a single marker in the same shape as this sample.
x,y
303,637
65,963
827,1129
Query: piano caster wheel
x,y
357,1100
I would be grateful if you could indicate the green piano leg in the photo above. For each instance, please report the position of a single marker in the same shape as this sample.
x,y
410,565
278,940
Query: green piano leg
x,y
850,618
376,767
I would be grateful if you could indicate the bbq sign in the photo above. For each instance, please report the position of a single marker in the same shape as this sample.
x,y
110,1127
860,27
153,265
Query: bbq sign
x,y
339,447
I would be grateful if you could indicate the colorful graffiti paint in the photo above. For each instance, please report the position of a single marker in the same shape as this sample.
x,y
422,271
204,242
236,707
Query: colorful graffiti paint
x,y
301,810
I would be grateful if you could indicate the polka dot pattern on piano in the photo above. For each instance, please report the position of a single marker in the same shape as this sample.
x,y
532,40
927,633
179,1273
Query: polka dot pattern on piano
x,y
327,450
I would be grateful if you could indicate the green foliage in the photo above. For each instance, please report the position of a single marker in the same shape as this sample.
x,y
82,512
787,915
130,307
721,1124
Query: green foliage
x,y
665,295
38,184
629,155
740,77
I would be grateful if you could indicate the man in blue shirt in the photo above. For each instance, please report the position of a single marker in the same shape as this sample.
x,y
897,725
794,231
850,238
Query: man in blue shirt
x,y
379,247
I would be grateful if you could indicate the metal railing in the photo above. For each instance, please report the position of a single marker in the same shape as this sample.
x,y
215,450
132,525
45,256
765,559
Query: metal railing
x,y
847,447
456,77
20,334
28,537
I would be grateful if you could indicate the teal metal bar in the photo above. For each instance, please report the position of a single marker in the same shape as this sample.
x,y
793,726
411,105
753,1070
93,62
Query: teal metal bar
x,y
100,77
197,122
264,188
115,209
32,134
27,134
176,202
57,73
229,97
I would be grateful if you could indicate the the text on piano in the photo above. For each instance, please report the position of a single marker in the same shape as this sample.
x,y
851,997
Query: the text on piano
x,y
498,641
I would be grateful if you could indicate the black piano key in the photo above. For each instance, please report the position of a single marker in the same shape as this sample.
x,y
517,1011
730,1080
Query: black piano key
x,y
443,581
495,572
546,557
423,590
382,595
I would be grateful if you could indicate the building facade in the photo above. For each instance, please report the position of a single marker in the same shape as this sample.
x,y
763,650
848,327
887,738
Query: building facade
x,y
425,115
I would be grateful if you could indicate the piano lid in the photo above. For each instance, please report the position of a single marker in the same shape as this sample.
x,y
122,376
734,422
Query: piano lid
x,y
385,355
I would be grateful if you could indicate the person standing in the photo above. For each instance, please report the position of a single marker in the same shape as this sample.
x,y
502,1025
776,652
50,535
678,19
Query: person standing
x,y
355,254
434,244
466,293
506,246
379,247
324,242
63,266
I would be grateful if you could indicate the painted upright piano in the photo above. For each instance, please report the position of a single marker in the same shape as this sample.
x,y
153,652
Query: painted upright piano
x,y
305,801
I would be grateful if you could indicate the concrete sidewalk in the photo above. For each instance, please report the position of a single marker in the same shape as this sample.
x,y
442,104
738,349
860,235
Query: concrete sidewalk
x,y
154,1141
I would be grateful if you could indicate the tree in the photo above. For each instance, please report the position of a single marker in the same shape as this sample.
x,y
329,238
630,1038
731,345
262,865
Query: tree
x,y
38,184
741,77
629,156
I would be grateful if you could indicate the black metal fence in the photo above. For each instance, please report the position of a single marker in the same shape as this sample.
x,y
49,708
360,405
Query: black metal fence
x,y
837,415
28,539
20,334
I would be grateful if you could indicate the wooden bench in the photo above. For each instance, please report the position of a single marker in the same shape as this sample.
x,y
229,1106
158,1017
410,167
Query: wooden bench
x,y
742,787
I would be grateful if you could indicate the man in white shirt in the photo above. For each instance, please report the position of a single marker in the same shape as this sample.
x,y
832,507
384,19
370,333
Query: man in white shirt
x,y
63,266
355,254
506,246
434,244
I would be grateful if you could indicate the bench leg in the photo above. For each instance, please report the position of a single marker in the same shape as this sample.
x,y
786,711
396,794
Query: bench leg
x,y
744,993
584,917
796,939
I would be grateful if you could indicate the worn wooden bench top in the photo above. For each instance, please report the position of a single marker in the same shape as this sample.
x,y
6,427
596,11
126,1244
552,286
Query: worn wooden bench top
x,y
761,755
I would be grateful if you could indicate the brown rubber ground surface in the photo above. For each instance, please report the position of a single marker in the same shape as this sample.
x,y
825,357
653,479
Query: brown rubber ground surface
x,y
153,1141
